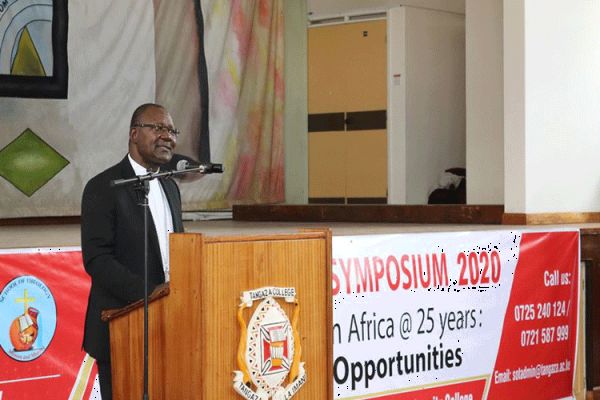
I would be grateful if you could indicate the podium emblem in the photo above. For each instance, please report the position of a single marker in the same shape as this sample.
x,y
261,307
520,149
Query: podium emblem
x,y
269,349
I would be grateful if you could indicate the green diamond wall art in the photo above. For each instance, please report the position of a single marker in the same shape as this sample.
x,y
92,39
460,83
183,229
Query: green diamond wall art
x,y
29,163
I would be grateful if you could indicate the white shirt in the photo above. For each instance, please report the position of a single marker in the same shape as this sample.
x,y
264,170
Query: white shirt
x,y
161,214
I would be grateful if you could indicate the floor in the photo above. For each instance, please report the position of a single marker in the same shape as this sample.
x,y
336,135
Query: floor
x,y
44,236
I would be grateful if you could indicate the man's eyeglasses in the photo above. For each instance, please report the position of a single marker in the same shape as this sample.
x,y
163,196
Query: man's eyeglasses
x,y
158,129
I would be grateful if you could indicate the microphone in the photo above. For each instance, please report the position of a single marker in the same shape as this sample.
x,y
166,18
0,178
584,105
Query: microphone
x,y
209,168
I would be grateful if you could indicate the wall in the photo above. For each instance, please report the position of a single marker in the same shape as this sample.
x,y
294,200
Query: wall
x,y
514,107
562,105
435,98
559,123
296,94
426,100
396,114
484,102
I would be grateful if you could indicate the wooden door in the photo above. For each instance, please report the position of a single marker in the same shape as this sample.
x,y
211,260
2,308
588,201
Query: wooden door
x,y
347,100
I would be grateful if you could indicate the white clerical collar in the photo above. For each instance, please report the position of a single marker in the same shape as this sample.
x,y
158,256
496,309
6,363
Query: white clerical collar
x,y
137,168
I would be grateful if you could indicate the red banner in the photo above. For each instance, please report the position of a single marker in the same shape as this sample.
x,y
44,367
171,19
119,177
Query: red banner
x,y
536,357
43,297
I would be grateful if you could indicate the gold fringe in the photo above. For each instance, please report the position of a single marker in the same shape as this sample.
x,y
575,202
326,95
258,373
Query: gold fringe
x,y
241,359
297,346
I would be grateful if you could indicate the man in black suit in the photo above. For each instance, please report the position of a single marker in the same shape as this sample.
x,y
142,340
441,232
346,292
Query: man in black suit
x,y
112,228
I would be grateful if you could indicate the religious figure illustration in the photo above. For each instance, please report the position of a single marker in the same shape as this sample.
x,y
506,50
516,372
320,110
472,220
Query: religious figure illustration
x,y
24,329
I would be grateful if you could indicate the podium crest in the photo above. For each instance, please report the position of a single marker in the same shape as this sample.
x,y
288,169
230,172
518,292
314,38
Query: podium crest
x,y
269,350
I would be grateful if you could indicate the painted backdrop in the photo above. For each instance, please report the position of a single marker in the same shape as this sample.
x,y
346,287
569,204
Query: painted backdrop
x,y
122,54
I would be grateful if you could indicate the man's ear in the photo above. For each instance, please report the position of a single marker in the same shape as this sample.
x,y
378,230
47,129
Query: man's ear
x,y
133,133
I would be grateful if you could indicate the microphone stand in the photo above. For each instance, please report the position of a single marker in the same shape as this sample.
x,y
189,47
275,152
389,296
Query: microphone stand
x,y
142,185
154,175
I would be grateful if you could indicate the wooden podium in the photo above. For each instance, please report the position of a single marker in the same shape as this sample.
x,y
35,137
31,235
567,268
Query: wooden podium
x,y
194,330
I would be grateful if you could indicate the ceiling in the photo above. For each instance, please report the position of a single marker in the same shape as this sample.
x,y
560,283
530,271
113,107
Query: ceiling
x,y
329,8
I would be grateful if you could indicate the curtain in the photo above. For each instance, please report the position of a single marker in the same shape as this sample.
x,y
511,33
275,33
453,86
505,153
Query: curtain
x,y
244,51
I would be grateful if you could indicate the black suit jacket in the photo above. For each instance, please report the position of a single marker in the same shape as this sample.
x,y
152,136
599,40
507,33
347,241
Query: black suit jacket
x,y
112,242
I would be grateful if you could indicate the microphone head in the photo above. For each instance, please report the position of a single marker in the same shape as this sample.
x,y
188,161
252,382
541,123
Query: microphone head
x,y
182,164
216,168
